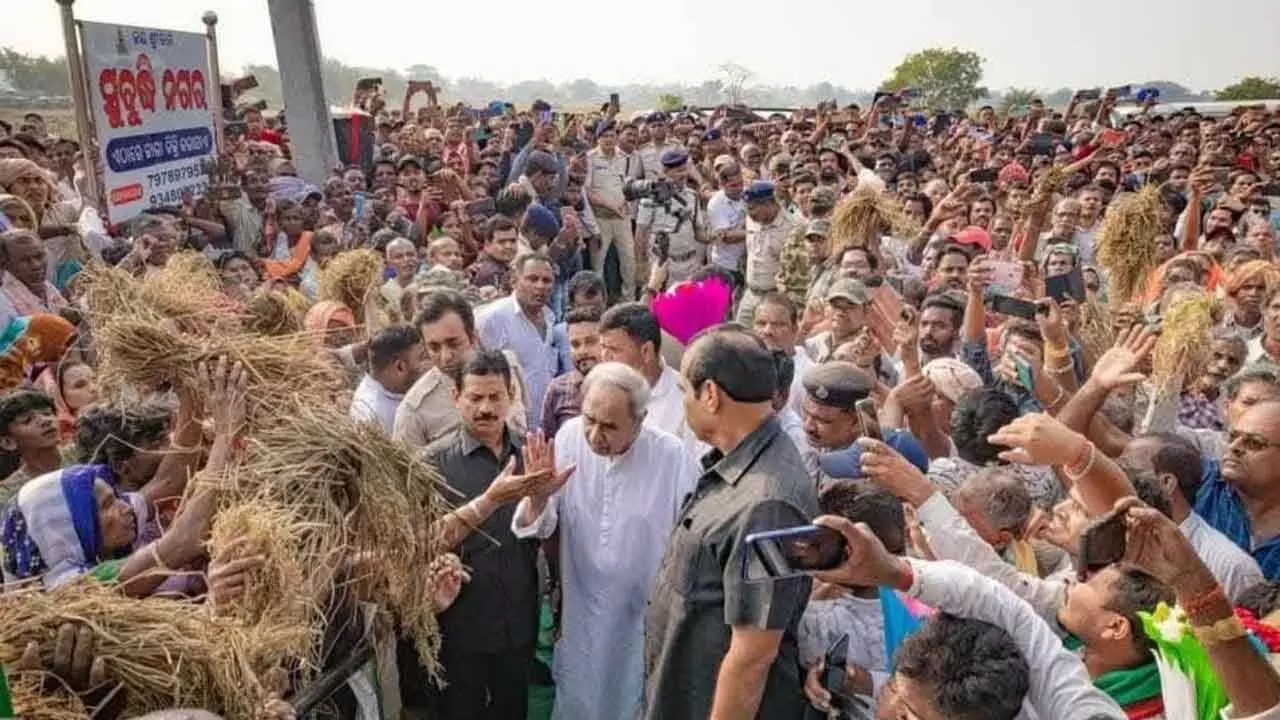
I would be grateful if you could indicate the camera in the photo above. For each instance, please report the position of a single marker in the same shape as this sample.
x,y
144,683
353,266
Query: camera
x,y
660,191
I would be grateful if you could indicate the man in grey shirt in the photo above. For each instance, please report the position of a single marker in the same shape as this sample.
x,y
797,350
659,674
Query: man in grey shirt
x,y
717,643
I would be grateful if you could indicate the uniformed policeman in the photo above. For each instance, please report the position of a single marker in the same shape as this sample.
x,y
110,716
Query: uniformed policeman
x,y
768,226
676,228
651,152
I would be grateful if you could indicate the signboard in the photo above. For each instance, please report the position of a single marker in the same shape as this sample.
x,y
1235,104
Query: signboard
x,y
153,114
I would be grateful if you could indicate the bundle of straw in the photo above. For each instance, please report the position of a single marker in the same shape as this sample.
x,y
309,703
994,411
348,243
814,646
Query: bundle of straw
x,y
1184,345
30,703
1127,242
347,490
1096,332
269,313
350,277
274,592
167,653
283,371
863,216
182,292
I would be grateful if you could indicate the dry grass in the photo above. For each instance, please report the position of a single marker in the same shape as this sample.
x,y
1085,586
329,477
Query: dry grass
x,y
350,277
269,313
1127,242
863,216
1184,345
167,653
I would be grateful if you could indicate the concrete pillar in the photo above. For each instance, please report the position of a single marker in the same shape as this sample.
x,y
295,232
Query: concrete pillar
x,y
293,24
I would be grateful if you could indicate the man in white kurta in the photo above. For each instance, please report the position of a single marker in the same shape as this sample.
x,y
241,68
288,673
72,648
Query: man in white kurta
x,y
615,516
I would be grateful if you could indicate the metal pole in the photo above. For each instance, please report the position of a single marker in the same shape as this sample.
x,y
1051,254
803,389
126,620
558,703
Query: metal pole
x,y
210,19
80,96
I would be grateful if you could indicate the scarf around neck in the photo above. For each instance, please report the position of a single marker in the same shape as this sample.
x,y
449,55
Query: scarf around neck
x,y
1136,689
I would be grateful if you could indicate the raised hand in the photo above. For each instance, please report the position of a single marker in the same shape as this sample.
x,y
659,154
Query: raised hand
x,y
1118,366
1039,439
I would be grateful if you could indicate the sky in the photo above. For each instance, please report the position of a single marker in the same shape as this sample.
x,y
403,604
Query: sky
x,y
1203,44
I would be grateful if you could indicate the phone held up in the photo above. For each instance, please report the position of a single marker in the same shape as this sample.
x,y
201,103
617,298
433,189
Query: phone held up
x,y
792,551
1101,544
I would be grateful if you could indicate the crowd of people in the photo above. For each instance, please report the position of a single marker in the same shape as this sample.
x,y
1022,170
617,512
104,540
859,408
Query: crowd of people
x,y
938,336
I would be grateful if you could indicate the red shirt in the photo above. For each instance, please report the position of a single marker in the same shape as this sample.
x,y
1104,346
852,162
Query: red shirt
x,y
267,135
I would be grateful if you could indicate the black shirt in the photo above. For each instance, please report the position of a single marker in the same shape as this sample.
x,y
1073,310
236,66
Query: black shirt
x,y
498,609
701,592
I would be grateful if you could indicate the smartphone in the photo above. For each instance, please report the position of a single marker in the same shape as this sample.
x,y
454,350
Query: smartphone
x,y
482,208
1041,144
1090,94
1026,377
835,676
1005,275
359,205
1102,544
614,102
1006,305
792,551
1069,286
369,83
869,416
984,175
545,116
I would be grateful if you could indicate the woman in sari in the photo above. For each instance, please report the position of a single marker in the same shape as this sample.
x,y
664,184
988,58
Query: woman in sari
x,y
55,220
71,385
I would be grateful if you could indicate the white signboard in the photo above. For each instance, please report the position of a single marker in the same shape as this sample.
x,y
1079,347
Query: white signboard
x,y
153,113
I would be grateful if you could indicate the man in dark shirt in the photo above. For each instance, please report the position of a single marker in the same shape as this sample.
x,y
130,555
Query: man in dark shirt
x,y
717,644
493,267
563,400
490,631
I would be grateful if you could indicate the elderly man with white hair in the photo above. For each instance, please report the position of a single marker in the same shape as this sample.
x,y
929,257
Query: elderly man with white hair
x,y
615,516
402,257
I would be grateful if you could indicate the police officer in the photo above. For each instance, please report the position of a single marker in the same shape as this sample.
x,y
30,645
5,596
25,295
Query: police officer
x,y
651,152
768,226
673,231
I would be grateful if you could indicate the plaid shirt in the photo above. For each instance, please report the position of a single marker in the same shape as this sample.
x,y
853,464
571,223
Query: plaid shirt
x,y
1198,412
563,402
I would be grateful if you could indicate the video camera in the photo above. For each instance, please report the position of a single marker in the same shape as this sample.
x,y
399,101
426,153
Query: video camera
x,y
661,191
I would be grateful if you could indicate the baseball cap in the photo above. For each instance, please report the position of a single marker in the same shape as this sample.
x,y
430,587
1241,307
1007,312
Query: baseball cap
x,y
973,236
821,228
847,289
758,191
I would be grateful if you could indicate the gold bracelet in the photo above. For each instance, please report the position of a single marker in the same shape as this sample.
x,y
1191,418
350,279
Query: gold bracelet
x,y
1223,631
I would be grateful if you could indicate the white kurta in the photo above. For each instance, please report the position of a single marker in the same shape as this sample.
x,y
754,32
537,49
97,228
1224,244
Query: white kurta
x,y
615,516
666,412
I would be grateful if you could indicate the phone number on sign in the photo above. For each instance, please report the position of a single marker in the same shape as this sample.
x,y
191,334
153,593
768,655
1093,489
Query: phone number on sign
x,y
175,175
172,196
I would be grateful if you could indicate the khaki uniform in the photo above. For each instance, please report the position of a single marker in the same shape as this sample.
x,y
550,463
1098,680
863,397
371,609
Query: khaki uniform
x,y
685,254
428,413
764,250
651,158
605,178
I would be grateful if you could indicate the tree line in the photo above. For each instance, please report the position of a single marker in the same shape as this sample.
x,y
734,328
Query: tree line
x,y
945,78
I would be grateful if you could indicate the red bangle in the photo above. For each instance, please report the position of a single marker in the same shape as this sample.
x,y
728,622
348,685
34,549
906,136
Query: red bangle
x,y
1197,606
908,577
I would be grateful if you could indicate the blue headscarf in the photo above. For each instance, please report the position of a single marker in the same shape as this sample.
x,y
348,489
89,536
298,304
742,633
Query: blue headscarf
x,y
51,528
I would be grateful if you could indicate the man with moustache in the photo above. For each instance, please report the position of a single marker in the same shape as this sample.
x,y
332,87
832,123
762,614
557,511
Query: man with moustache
x,y
564,396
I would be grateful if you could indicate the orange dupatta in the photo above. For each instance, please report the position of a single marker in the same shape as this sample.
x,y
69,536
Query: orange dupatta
x,y
281,269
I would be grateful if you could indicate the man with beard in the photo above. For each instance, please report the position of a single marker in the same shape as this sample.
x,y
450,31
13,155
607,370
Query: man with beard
x,y
1266,347
564,396
448,329
777,323
941,317
614,518
522,323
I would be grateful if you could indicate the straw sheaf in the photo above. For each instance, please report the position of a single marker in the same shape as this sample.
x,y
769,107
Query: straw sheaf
x,y
1096,332
182,292
167,653
863,216
1127,242
269,313
350,277
1184,345
283,372
350,493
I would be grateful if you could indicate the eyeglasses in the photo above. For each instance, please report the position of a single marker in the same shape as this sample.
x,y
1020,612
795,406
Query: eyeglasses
x,y
1250,442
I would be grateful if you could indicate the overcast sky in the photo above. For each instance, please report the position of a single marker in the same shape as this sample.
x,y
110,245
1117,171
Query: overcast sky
x,y
1203,44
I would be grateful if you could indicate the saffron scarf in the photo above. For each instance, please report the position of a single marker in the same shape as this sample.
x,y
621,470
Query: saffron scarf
x,y
298,255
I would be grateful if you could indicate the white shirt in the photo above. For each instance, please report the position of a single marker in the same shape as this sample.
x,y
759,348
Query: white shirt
x,y
793,426
504,326
726,214
1231,566
374,403
666,411
795,401
614,515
